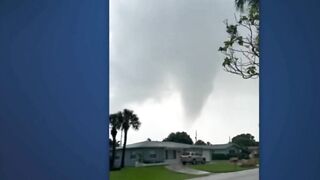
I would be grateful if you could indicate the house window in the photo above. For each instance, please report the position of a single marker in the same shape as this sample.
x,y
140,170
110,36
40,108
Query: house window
x,y
174,154
232,151
152,154
133,155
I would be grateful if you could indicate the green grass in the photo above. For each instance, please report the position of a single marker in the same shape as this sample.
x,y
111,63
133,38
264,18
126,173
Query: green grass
x,y
147,173
219,167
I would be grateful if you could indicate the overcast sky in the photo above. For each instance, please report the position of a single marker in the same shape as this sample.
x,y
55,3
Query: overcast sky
x,y
164,65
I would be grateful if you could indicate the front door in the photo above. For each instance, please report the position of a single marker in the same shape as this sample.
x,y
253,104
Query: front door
x,y
167,156
178,154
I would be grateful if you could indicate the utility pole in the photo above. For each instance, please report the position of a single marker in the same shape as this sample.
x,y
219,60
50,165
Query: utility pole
x,y
196,138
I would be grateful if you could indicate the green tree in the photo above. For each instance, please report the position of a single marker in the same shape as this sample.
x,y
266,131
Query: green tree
x,y
115,121
240,4
129,120
244,140
241,49
200,142
179,137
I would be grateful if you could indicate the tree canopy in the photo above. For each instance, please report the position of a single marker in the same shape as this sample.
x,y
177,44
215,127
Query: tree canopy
x,y
240,4
245,140
179,137
200,142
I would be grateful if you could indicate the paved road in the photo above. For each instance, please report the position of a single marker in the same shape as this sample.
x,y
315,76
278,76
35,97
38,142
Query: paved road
x,y
252,174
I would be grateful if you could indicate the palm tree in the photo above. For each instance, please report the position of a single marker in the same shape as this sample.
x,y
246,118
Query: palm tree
x,y
129,120
115,124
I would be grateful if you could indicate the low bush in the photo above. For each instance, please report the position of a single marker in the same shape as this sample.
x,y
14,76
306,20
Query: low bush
x,y
249,163
218,156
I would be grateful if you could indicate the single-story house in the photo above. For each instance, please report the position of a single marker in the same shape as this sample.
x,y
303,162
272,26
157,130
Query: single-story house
x,y
168,152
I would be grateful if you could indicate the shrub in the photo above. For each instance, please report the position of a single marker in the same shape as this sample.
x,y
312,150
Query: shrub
x,y
248,163
218,156
151,161
243,156
221,156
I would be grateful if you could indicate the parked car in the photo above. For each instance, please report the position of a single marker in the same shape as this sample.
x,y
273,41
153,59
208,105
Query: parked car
x,y
192,157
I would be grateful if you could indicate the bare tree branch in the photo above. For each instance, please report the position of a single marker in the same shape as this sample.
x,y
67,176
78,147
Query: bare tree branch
x,y
241,49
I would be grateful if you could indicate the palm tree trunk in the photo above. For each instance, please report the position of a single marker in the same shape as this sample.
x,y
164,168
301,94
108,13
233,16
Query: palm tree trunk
x,y
121,138
113,151
124,148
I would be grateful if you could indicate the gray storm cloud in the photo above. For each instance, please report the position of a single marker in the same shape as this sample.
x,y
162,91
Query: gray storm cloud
x,y
158,44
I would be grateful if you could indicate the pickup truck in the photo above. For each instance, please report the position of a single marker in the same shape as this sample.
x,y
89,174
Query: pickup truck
x,y
192,157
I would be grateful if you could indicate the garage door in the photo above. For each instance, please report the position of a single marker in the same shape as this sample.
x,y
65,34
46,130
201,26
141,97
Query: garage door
x,y
207,155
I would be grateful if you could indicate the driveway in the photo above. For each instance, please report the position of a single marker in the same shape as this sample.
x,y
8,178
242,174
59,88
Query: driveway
x,y
178,167
252,174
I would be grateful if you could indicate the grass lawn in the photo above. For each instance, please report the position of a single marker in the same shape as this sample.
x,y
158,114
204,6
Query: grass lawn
x,y
219,167
147,173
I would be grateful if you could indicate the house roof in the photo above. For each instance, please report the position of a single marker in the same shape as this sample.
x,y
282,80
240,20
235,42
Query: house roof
x,y
215,146
159,144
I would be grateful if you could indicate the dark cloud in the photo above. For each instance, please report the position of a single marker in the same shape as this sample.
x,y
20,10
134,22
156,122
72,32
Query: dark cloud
x,y
158,46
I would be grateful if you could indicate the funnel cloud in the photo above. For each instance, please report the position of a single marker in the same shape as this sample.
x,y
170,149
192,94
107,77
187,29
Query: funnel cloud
x,y
164,64
156,45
